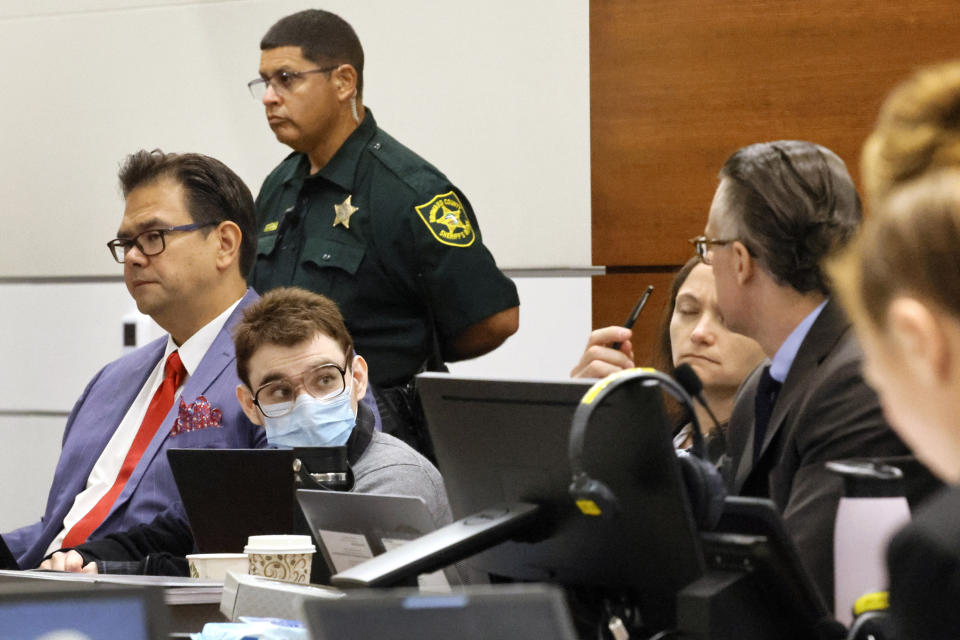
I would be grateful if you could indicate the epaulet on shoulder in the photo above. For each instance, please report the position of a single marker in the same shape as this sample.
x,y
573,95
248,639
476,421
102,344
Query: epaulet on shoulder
x,y
407,165
287,160
285,167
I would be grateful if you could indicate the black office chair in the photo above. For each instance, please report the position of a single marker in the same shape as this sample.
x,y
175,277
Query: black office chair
x,y
756,586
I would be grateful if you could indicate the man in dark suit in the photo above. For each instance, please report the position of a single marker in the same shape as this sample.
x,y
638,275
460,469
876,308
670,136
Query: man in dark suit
x,y
187,242
780,208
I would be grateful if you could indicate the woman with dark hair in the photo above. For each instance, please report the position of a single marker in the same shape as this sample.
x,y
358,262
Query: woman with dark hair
x,y
691,332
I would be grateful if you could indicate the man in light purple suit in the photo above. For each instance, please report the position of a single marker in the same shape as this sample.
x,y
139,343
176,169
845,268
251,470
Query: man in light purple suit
x,y
187,242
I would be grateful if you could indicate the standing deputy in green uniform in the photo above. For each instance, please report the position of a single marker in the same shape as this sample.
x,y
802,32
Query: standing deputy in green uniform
x,y
358,217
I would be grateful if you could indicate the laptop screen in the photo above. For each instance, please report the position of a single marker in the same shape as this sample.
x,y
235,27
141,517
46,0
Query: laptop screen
x,y
95,614
232,494
353,527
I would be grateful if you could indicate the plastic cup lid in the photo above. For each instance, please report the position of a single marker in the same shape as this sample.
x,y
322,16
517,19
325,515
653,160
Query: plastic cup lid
x,y
279,544
216,556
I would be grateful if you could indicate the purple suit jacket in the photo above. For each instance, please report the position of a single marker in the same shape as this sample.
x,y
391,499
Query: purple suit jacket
x,y
97,414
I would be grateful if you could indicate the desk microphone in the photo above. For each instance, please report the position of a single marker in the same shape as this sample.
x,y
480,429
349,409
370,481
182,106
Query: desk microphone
x,y
703,480
691,383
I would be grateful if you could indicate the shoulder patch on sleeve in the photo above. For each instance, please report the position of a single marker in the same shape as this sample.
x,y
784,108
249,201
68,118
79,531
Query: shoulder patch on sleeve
x,y
448,222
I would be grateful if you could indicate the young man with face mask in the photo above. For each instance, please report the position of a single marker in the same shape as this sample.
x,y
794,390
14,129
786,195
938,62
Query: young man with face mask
x,y
302,381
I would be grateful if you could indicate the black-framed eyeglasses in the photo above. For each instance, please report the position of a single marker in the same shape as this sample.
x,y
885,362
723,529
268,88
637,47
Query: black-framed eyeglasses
x,y
151,242
702,245
277,398
282,81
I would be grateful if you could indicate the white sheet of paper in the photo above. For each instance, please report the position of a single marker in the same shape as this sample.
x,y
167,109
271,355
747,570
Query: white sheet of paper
x,y
346,549
435,582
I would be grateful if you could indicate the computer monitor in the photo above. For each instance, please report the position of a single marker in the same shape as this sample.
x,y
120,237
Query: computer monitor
x,y
506,441
505,612
102,613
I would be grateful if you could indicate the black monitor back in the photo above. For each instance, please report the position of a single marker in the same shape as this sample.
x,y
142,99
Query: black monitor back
x,y
232,494
500,440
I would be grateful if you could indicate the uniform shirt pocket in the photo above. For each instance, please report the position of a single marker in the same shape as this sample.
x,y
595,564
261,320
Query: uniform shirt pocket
x,y
325,253
266,244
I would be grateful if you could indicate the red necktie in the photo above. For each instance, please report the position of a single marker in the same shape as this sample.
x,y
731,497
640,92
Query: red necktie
x,y
160,405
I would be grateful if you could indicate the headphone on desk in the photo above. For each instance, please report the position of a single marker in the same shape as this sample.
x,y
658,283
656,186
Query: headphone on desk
x,y
705,488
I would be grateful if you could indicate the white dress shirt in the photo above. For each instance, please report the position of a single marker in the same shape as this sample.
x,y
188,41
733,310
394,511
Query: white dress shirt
x,y
105,471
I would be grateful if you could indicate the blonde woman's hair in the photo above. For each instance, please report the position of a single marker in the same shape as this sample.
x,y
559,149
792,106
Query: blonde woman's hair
x,y
909,245
917,131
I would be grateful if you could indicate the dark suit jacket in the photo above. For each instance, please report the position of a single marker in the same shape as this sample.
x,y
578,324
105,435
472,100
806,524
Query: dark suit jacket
x,y
825,411
924,563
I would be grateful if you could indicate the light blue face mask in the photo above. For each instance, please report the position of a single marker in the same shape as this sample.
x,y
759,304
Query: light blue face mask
x,y
313,423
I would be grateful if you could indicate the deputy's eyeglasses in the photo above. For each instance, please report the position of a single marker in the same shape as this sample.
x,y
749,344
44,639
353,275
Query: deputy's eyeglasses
x,y
282,82
702,245
277,398
150,242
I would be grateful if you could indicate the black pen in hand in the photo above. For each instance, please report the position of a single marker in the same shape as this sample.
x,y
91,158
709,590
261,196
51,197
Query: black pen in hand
x,y
632,318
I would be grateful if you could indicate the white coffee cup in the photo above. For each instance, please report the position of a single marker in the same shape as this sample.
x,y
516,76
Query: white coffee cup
x,y
281,557
214,566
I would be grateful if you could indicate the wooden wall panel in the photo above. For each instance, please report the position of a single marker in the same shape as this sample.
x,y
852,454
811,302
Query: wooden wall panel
x,y
614,296
677,85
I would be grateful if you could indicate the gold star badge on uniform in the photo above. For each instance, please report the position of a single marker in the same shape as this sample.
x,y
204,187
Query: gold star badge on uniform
x,y
344,210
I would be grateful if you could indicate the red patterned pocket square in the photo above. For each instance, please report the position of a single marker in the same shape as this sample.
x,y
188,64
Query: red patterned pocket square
x,y
199,415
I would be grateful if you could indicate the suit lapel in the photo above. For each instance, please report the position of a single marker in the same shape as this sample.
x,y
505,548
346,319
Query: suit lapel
x,y
116,399
741,428
218,357
130,381
816,346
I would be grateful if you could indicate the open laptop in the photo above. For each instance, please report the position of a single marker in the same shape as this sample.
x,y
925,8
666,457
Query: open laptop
x,y
505,612
354,527
103,612
232,494
7,561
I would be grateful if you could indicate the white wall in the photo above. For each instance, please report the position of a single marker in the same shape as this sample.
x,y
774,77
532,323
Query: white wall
x,y
495,93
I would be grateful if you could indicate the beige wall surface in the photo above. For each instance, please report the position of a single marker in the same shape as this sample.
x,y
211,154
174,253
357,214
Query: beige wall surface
x,y
500,105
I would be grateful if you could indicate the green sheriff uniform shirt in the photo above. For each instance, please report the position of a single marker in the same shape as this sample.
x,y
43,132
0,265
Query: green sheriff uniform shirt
x,y
386,235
